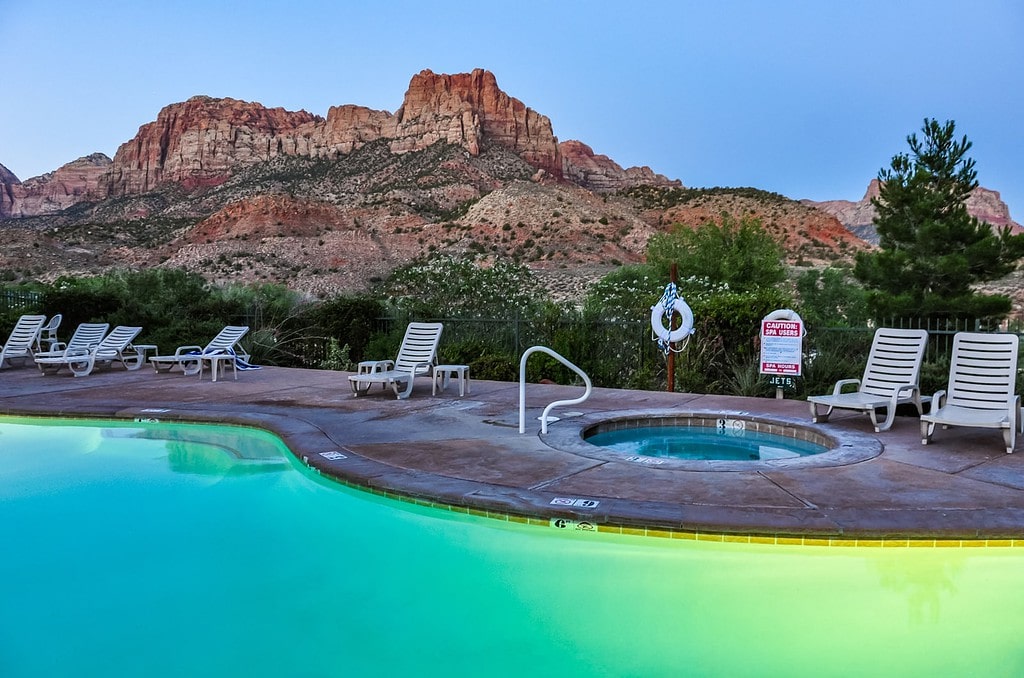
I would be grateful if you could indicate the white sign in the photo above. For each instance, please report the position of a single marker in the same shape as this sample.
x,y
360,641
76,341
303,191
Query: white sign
x,y
782,347
573,501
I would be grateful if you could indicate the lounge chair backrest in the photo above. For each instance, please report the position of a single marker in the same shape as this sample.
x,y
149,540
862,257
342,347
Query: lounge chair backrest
x,y
983,370
226,339
23,336
419,347
86,336
48,333
894,360
118,339
26,330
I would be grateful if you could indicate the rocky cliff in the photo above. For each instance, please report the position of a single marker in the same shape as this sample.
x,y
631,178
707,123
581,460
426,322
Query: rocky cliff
x,y
52,192
468,109
602,174
859,216
201,142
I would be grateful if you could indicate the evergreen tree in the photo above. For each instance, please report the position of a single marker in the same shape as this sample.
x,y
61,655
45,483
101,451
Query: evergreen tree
x,y
932,251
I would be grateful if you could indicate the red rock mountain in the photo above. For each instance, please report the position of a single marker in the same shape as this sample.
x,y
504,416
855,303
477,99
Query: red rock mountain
x,y
203,141
75,182
858,217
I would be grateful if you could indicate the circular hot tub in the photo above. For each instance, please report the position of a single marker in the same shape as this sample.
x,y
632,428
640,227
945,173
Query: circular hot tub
x,y
726,441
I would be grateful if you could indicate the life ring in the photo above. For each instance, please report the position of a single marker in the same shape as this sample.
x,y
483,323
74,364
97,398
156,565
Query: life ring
x,y
663,333
787,314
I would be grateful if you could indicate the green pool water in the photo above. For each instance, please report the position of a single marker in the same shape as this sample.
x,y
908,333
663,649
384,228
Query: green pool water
x,y
158,550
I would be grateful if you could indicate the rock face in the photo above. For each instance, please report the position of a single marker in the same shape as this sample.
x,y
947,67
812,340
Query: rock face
x,y
602,174
198,143
203,141
8,182
988,206
73,183
859,216
468,109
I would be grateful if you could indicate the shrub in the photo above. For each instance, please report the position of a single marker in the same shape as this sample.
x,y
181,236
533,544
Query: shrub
x,y
447,286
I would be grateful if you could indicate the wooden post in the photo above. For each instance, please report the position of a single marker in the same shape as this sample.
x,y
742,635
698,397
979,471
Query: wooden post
x,y
671,353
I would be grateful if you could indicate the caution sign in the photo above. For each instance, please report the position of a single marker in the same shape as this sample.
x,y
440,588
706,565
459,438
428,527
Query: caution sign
x,y
782,345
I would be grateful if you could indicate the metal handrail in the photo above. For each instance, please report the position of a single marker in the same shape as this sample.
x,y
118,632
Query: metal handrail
x,y
522,387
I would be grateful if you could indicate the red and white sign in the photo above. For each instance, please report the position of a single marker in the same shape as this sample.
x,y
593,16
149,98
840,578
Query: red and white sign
x,y
782,347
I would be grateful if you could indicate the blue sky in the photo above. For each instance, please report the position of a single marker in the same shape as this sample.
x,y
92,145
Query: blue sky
x,y
809,99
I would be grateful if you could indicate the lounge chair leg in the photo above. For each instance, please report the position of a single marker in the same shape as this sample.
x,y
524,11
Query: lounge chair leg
x,y
408,388
1010,437
818,417
82,368
890,416
927,429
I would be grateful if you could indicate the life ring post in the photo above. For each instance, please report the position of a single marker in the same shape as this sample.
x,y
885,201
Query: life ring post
x,y
671,324
673,275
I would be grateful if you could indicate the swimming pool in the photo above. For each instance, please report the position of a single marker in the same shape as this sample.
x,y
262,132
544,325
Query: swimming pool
x,y
169,550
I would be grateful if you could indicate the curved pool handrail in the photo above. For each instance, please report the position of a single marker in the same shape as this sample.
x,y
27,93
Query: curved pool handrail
x,y
522,387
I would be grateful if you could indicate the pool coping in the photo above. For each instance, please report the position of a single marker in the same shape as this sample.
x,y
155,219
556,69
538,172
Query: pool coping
x,y
845,447
463,454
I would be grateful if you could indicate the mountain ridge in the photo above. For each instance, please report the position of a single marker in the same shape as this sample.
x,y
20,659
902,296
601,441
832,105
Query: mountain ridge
x,y
244,193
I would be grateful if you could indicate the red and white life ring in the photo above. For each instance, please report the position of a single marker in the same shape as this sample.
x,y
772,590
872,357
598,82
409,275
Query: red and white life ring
x,y
663,333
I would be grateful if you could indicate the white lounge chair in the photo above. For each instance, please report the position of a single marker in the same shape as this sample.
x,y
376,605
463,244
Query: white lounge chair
x,y
191,359
20,345
890,379
982,385
416,356
84,338
116,346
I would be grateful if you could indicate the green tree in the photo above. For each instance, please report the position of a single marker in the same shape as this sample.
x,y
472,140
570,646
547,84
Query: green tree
x,y
828,298
932,251
740,254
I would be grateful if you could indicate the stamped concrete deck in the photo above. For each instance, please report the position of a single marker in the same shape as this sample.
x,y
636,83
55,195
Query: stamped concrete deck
x,y
468,452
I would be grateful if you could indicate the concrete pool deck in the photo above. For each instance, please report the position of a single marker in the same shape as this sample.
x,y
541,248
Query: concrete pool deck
x,y
467,452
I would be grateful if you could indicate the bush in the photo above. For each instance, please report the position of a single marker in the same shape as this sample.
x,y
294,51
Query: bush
x,y
177,308
351,321
485,360
445,287
741,255
831,298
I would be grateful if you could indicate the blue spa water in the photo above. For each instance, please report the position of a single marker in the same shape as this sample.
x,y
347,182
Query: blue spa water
x,y
704,442
157,550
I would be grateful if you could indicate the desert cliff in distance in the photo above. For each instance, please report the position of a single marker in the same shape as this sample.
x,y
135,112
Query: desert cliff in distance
x,y
325,204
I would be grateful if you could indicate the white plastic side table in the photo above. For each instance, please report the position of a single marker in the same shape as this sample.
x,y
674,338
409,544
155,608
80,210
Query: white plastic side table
x,y
444,374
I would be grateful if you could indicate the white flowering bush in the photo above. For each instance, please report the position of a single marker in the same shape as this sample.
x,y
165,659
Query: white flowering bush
x,y
450,287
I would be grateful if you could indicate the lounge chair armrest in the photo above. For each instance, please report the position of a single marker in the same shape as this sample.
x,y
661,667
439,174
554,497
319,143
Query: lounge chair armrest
x,y
81,350
904,389
844,382
184,350
938,400
426,368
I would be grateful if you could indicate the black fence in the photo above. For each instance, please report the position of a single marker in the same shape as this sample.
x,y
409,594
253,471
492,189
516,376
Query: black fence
x,y
17,300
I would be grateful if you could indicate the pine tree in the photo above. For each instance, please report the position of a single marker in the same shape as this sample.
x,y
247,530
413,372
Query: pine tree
x,y
933,252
